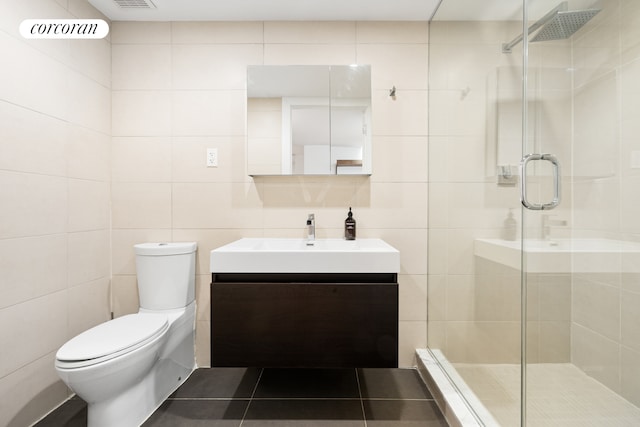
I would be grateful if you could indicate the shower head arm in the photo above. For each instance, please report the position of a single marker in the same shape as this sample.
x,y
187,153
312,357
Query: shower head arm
x,y
506,47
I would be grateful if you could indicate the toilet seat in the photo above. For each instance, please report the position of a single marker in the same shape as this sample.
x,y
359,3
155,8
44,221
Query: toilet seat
x,y
111,339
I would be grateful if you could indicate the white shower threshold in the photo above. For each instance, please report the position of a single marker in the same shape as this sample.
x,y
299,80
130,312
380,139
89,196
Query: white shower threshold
x,y
448,390
557,394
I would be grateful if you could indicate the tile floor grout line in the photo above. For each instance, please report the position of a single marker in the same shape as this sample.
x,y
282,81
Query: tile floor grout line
x,y
253,393
364,416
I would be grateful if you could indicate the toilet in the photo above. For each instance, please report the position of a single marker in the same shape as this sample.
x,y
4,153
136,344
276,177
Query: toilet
x,y
125,368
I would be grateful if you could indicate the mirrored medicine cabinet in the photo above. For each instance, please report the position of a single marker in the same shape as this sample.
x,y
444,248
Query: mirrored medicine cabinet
x,y
309,120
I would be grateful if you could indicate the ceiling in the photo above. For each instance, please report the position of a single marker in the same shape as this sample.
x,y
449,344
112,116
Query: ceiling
x,y
267,10
326,10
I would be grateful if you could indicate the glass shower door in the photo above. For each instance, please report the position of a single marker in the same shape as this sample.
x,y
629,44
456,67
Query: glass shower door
x,y
475,145
580,259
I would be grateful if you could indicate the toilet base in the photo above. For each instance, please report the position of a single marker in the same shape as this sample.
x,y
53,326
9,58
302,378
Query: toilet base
x,y
133,406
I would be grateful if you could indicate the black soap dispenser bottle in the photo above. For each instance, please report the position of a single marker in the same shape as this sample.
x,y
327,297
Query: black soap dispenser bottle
x,y
350,227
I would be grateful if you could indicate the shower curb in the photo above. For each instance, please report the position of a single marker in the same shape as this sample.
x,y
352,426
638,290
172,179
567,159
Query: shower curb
x,y
453,406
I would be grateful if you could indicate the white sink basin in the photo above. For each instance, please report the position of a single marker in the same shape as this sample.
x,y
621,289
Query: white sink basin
x,y
563,255
295,256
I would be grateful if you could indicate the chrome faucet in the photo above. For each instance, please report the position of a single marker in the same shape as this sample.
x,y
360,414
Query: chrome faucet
x,y
311,229
547,223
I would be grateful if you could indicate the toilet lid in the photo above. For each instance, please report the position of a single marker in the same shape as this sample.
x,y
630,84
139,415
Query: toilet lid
x,y
112,338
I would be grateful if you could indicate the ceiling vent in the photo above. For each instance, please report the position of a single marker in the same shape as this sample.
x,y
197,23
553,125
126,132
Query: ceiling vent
x,y
135,4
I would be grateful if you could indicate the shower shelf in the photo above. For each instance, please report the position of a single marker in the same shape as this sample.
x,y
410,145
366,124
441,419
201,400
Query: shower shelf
x,y
563,255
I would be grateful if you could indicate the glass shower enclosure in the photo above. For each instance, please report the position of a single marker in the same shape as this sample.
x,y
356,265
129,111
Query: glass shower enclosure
x,y
534,209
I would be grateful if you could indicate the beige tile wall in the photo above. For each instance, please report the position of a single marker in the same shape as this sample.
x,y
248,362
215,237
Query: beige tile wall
x,y
55,115
179,88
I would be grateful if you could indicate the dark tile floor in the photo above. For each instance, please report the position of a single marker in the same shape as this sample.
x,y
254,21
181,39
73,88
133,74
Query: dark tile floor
x,y
251,397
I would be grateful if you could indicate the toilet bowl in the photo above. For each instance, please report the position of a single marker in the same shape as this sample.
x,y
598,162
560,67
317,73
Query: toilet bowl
x,y
125,368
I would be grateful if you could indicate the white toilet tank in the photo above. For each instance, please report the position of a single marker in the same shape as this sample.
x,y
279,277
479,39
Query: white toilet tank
x,y
166,274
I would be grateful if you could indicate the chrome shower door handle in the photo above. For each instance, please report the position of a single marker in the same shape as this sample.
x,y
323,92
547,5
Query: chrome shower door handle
x,y
556,182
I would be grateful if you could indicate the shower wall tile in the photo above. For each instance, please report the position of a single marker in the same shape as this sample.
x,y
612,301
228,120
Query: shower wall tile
x,y
629,373
630,207
599,118
461,298
595,305
483,342
503,287
596,204
629,31
596,47
458,159
630,320
473,205
471,67
555,298
596,355
554,342
437,298
629,105
458,115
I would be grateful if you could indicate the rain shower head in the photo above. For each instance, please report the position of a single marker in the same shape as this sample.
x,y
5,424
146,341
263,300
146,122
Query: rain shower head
x,y
558,24
564,24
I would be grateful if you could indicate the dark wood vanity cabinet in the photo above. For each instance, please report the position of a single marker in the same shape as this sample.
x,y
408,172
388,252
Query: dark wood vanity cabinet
x,y
304,320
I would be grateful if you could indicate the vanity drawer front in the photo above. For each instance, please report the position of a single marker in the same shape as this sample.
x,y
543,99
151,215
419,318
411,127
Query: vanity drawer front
x,y
311,324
